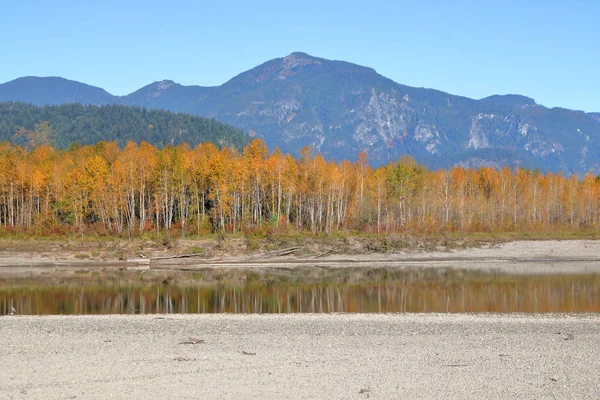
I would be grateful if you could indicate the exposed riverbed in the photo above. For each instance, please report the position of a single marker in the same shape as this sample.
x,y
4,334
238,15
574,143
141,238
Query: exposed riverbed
x,y
327,356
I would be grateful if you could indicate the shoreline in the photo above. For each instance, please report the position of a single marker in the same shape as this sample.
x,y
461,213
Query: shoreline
x,y
516,258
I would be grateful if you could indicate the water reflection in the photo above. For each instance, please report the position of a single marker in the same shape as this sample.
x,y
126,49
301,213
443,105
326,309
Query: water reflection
x,y
504,294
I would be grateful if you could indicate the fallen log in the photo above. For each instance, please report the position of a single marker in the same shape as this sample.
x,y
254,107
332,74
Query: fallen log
x,y
282,252
322,254
274,253
177,256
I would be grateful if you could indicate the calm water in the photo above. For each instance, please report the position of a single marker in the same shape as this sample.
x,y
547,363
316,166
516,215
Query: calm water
x,y
386,292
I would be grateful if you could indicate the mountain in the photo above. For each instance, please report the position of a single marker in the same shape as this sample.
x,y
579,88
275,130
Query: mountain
x,y
53,90
65,124
167,95
340,109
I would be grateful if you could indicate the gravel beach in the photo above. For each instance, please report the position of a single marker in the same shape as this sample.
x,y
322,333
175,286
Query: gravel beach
x,y
334,356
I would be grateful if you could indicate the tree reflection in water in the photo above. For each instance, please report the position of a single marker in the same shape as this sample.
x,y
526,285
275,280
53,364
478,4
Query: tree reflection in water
x,y
504,294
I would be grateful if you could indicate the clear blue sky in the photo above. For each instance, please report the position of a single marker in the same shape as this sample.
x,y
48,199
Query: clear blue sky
x,y
545,49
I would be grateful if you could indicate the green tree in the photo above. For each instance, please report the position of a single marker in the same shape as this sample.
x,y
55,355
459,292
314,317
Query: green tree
x,y
404,180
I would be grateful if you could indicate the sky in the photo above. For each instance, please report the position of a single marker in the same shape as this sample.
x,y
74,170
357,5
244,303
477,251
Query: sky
x,y
545,49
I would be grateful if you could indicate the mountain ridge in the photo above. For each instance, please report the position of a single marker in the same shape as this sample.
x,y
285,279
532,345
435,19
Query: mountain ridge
x,y
54,90
340,108
172,82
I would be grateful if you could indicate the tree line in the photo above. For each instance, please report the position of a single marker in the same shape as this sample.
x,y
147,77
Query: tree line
x,y
196,190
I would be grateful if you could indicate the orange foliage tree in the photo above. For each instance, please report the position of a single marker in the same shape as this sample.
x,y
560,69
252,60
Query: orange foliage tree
x,y
139,188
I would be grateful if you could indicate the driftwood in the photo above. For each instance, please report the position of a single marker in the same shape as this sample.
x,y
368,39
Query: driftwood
x,y
322,254
248,353
192,341
184,359
178,256
282,252
274,253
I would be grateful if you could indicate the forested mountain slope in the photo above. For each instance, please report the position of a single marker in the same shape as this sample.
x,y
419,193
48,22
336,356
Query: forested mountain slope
x,y
62,125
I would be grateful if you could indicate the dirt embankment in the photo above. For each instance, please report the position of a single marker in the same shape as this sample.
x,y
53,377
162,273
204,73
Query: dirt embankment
x,y
86,249
106,250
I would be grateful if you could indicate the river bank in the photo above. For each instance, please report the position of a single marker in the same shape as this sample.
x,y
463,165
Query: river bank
x,y
48,260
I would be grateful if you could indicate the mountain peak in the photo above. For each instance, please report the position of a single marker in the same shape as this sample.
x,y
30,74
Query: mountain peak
x,y
164,84
53,90
160,87
294,63
298,54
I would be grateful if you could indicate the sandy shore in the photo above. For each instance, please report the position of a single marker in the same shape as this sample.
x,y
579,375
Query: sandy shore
x,y
300,357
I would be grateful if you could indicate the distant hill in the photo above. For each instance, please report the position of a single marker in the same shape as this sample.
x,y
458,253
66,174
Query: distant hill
x,y
341,108
167,95
53,90
83,124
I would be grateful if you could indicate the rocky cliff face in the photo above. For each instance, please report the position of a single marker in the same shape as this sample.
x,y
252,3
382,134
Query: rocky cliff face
x,y
340,109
